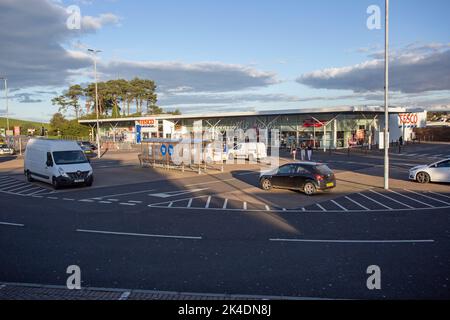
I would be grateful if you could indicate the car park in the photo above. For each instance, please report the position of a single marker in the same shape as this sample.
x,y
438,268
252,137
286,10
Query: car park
x,y
435,172
6,150
61,163
308,177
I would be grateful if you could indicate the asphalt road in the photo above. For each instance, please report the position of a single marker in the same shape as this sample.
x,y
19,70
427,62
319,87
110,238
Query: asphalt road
x,y
172,236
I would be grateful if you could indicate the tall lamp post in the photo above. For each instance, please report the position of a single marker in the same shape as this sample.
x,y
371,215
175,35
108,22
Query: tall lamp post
x,y
7,104
94,53
386,100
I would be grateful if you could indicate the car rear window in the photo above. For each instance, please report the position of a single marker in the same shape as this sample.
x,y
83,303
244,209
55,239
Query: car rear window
x,y
323,169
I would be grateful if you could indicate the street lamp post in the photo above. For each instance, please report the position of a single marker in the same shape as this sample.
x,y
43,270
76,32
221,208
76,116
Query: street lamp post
x,y
7,103
99,150
386,101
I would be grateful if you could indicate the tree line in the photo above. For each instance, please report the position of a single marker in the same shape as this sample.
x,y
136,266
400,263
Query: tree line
x,y
116,98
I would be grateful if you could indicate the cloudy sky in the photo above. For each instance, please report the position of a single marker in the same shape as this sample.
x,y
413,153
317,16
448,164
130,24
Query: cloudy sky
x,y
227,55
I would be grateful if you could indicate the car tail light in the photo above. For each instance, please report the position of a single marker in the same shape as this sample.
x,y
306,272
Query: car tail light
x,y
319,177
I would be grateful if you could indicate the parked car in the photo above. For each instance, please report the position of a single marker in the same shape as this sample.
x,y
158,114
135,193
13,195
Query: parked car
x,y
435,172
308,177
4,149
249,150
61,163
88,145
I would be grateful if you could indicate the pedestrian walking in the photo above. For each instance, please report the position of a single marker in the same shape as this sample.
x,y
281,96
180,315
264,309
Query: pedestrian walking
x,y
310,152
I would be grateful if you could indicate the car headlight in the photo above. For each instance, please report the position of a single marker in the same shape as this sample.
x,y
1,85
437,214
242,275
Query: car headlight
x,y
63,173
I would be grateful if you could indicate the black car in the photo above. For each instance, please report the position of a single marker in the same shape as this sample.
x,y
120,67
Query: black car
x,y
87,144
308,177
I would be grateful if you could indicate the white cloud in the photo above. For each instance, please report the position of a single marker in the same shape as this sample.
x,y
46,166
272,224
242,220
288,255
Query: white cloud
x,y
416,68
95,23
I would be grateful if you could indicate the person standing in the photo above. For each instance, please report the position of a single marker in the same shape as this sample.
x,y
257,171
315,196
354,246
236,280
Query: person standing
x,y
303,151
310,151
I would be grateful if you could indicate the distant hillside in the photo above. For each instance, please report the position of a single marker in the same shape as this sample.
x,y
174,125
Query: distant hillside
x,y
24,124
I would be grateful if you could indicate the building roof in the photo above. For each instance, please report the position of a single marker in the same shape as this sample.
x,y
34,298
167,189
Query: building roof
x,y
343,109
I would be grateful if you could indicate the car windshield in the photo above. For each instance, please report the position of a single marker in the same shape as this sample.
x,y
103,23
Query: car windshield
x,y
324,170
69,157
3,146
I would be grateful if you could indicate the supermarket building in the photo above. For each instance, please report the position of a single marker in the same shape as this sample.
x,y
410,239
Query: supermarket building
x,y
326,128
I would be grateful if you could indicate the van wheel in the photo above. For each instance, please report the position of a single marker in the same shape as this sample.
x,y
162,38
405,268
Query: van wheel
x,y
29,178
55,184
309,189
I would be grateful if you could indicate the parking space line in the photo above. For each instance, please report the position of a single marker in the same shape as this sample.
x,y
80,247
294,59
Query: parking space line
x,y
28,190
127,204
208,202
12,224
133,201
357,203
124,194
421,194
377,202
351,241
138,234
170,205
439,194
267,208
105,202
402,195
245,206
190,203
37,192
320,207
11,186
23,187
392,199
343,208
225,203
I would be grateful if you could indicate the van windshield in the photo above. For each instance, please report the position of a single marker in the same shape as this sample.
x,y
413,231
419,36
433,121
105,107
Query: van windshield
x,y
69,157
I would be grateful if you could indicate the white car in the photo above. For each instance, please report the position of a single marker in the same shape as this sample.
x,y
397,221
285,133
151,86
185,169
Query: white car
x,y
436,172
4,149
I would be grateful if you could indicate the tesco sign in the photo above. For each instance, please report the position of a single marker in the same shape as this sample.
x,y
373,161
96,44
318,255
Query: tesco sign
x,y
408,119
147,123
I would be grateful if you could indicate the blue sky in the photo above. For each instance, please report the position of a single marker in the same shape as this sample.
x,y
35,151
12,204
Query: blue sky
x,y
271,47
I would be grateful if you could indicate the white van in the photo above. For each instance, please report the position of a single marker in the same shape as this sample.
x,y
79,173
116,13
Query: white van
x,y
249,150
61,163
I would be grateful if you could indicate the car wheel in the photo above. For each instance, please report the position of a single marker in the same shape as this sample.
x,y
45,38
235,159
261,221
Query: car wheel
x,y
90,182
423,177
309,189
55,184
29,178
266,184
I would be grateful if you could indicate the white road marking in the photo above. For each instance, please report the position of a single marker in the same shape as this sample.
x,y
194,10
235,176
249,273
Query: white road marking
x,y
52,198
352,241
123,194
11,186
32,194
84,200
206,183
113,200
343,208
421,194
225,203
357,203
177,193
267,208
208,202
170,205
245,206
139,234
68,199
321,208
125,296
133,201
21,187
127,204
439,194
425,204
28,190
105,202
392,199
190,203
379,203
12,224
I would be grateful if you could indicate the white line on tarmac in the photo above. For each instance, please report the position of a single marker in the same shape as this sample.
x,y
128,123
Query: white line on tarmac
x,y
127,204
439,194
190,203
139,234
123,194
208,202
351,241
28,190
357,203
267,208
12,224
245,206
320,207
225,203
392,199
342,207
421,194
373,200
405,196
12,186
